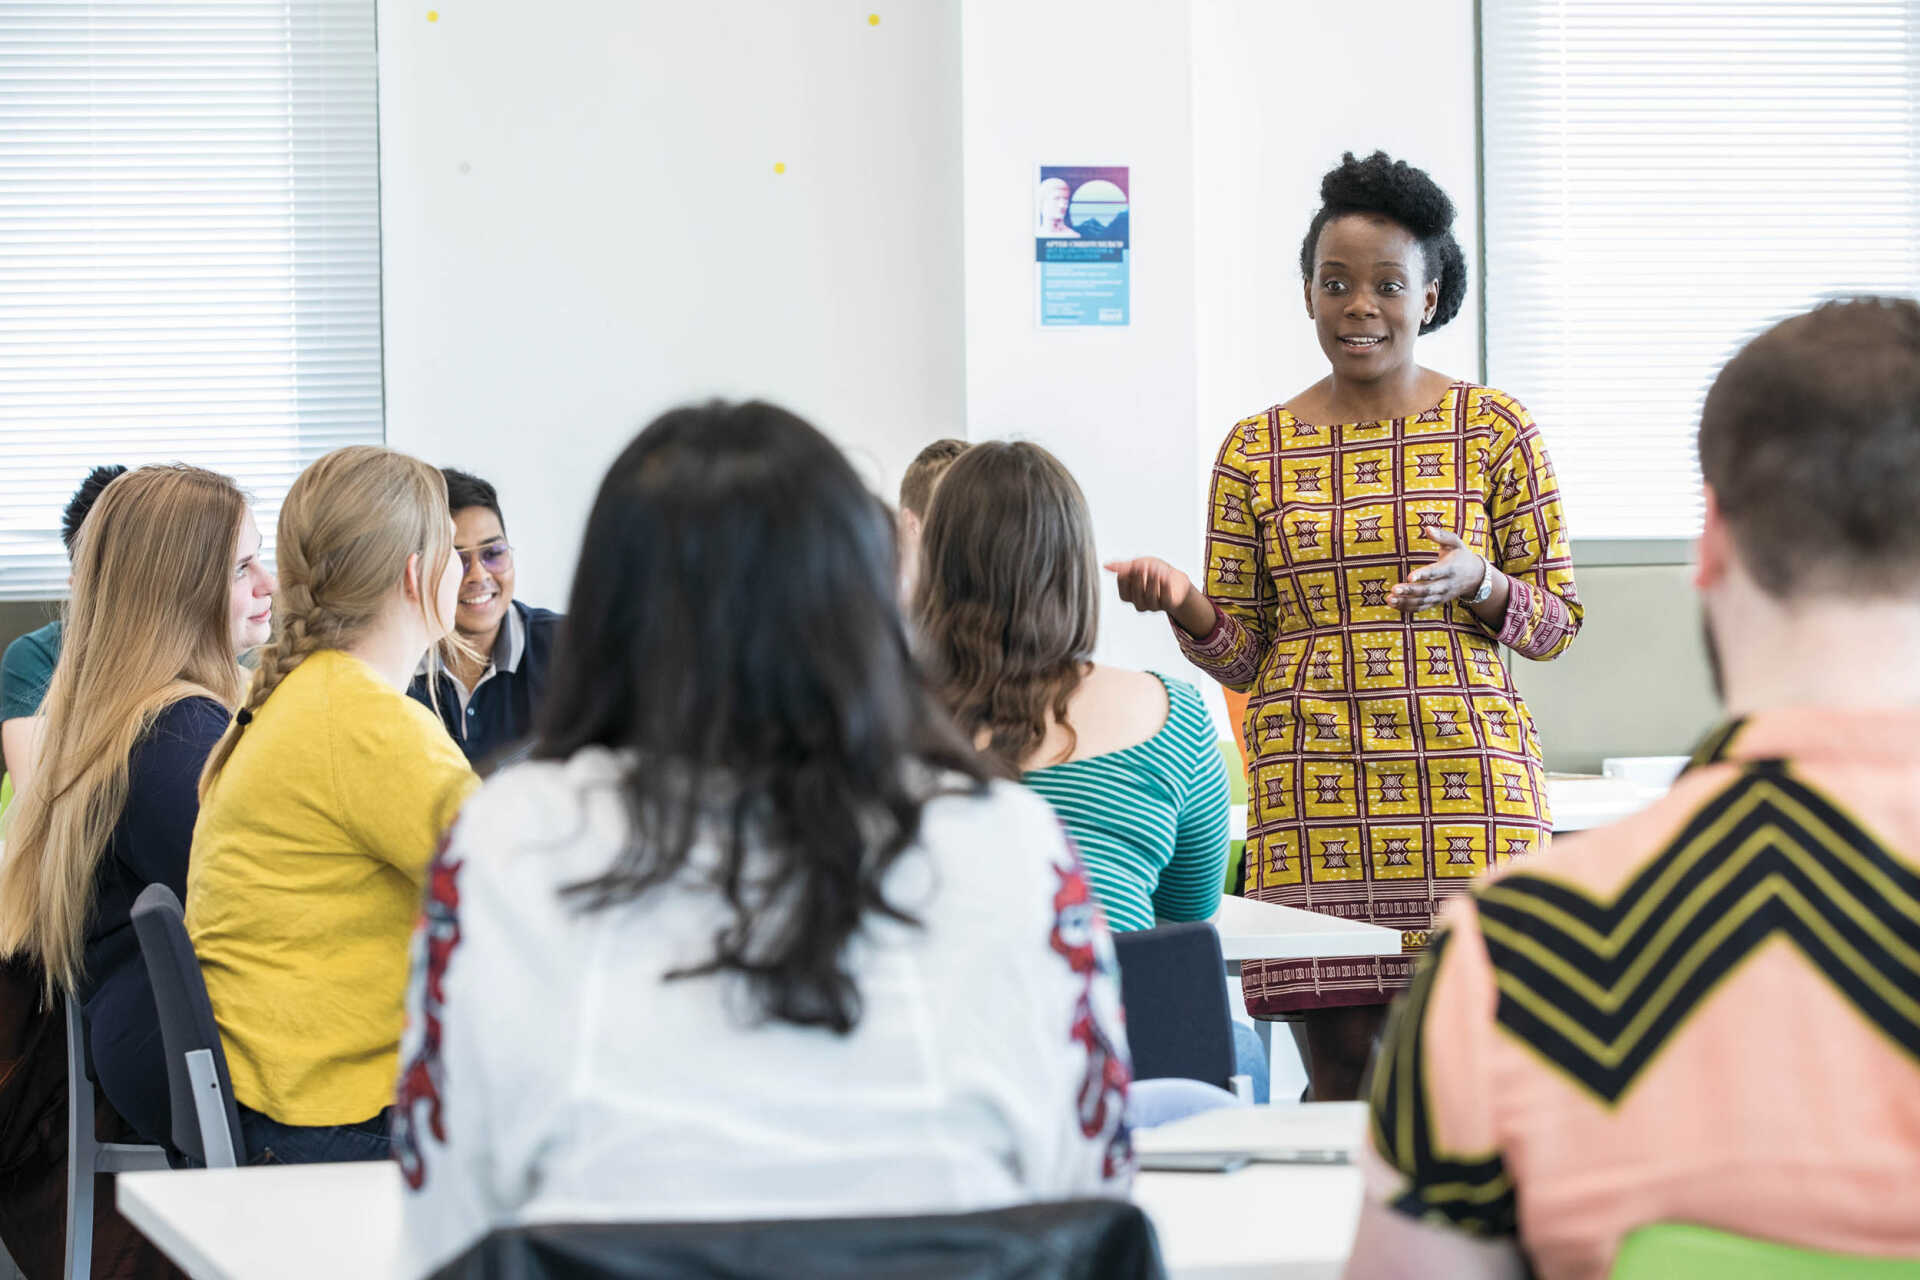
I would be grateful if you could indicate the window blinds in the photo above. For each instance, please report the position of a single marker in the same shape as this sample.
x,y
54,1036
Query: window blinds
x,y
1664,178
189,249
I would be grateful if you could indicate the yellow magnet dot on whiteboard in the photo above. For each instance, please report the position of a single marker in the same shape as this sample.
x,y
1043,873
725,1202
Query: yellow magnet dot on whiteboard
x,y
433,15
873,19
779,168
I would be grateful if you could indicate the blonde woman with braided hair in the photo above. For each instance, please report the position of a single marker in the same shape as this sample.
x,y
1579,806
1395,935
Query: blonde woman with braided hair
x,y
322,806
167,590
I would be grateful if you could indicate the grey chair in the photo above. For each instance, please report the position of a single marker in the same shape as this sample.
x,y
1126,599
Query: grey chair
x,y
86,1156
206,1124
1174,985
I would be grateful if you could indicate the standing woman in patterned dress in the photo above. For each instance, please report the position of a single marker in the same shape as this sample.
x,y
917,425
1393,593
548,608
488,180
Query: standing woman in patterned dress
x,y
1371,544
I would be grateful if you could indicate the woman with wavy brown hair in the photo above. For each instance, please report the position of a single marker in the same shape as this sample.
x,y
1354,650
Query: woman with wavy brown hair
x,y
1008,610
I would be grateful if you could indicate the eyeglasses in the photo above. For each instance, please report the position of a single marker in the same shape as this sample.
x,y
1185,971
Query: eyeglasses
x,y
494,557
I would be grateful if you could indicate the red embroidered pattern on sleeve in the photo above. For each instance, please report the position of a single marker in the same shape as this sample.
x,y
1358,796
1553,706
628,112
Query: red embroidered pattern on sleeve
x,y
1103,1088
421,1082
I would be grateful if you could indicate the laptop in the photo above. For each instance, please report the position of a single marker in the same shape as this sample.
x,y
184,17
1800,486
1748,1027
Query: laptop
x,y
1228,1138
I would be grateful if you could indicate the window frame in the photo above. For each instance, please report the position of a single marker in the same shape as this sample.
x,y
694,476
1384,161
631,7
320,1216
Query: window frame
x,y
321,199
1590,552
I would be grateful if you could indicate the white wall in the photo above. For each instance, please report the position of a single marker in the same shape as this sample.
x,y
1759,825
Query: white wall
x,y
1279,92
582,226
1066,84
1228,112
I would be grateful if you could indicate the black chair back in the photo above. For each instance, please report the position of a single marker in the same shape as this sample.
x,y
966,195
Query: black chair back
x,y
206,1124
1056,1240
1174,984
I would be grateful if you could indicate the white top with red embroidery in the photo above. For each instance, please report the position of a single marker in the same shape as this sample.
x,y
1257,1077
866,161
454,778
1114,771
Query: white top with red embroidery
x,y
553,1076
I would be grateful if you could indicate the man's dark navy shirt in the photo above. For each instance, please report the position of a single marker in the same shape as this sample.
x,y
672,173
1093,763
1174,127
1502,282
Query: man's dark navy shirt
x,y
498,715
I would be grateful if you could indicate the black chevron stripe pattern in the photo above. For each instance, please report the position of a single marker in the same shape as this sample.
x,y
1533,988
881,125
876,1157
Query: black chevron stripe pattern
x,y
1466,1192
1713,748
1598,988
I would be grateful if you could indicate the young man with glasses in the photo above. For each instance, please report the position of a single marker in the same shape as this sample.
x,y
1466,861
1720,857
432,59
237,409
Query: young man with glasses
x,y
488,697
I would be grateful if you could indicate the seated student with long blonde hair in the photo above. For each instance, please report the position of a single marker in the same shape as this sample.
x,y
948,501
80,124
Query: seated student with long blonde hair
x,y
322,807
167,590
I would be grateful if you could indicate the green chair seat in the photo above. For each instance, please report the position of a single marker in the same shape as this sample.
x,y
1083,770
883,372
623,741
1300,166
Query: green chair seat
x,y
1236,772
1237,796
1678,1249
1236,869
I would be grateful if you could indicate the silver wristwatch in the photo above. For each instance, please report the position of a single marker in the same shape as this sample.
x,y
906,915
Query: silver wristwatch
x,y
1486,584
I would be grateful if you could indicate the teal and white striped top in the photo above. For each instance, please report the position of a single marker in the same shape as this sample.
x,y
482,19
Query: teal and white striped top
x,y
1151,819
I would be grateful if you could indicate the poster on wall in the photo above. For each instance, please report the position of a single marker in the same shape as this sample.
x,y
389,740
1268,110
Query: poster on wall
x,y
1081,247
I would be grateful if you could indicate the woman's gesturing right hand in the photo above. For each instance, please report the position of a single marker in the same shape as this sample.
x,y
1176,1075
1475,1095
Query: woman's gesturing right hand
x,y
1151,585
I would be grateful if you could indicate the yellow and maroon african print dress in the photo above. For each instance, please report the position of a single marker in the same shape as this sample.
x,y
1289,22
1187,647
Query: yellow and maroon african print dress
x,y
1390,759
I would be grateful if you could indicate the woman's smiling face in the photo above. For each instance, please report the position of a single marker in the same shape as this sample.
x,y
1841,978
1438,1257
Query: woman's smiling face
x,y
1369,295
250,597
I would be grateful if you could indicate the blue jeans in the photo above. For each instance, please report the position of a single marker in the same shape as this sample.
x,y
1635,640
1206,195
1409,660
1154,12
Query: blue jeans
x,y
1249,1059
1169,1098
267,1141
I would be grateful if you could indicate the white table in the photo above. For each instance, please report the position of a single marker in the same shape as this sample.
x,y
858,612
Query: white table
x,y
331,1222
1266,1221
1251,930
285,1222
1261,1132
1580,803
1291,1221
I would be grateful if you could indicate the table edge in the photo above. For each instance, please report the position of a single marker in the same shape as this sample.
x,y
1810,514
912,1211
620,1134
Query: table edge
x,y
129,1197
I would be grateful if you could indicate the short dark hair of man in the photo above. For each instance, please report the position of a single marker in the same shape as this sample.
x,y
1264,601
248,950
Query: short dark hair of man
x,y
83,499
464,489
924,472
1810,440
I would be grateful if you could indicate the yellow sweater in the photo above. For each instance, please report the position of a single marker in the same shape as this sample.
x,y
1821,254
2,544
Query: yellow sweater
x,y
308,863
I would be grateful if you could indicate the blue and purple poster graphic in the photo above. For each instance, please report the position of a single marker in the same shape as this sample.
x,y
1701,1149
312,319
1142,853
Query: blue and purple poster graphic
x,y
1081,248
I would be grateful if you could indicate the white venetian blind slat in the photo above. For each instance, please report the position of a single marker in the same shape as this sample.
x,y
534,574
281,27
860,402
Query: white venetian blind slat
x,y
1663,180
189,249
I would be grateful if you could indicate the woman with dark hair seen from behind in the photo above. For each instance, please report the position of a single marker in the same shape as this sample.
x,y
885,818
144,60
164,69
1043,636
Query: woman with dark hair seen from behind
x,y
818,964
1372,544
